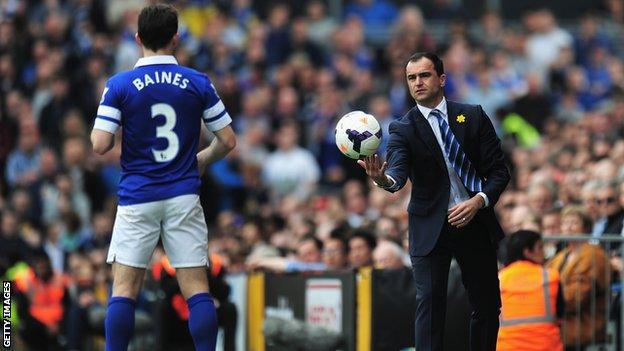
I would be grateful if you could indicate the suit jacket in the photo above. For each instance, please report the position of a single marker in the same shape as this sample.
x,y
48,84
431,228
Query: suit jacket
x,y
413,153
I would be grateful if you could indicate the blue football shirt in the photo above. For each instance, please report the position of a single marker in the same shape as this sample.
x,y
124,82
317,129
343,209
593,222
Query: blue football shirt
x,y
160,106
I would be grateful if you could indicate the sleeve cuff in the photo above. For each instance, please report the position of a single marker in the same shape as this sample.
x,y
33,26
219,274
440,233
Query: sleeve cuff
x,y
485,199
105,125
219,123
388,186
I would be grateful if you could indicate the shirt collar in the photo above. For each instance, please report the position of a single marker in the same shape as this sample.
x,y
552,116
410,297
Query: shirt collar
x,y
441,107
156,60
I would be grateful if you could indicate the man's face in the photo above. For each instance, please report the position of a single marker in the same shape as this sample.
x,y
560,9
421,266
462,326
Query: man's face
x,y
360,254
551,224
308,252
536,254
334,254
424,83
607,202
540,199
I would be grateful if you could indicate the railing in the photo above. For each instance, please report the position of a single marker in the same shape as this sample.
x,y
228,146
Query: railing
x,y
590,305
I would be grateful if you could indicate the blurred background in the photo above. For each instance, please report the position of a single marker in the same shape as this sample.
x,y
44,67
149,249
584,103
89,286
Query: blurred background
x,y
549,74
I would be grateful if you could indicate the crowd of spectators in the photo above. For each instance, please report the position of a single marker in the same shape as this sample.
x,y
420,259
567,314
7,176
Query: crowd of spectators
x,y
285,198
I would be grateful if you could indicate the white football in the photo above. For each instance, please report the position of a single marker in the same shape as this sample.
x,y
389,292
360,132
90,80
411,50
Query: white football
x,y
358,134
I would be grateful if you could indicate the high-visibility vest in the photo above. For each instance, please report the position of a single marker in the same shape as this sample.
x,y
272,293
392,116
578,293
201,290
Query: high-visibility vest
x,y
46,298
528,319
177,300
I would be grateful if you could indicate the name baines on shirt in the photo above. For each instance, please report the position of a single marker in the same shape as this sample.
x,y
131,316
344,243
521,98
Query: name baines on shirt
x,y
161,77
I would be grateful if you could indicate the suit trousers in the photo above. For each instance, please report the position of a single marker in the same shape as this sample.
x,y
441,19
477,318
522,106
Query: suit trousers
x,y
476,256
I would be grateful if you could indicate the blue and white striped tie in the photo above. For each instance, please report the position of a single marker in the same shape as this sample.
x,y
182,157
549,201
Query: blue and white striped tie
x,y
456,156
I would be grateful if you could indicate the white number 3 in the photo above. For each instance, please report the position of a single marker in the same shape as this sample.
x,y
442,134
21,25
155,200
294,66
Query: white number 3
x,y
166,131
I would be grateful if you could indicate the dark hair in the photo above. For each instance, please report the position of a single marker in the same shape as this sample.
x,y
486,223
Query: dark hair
x,y
518,241
438,65
157,25
368,237
317,242
338,234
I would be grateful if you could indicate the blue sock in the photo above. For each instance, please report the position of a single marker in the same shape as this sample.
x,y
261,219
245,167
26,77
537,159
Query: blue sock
x,y
203,321
119,324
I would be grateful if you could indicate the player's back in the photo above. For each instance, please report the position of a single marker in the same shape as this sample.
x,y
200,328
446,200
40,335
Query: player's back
x,y
160,106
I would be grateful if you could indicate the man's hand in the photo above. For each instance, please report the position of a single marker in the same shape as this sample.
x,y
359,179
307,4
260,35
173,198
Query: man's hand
x,y
461,214
375,170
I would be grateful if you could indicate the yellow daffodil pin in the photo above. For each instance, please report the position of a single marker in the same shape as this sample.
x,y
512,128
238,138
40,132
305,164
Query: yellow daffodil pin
x,y
461,118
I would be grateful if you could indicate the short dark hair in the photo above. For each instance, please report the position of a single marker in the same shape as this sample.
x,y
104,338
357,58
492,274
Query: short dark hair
x,y
368,237
317,242
157,25
518,241
438,65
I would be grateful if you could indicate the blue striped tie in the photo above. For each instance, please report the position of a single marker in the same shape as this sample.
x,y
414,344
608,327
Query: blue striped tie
x,y
456,156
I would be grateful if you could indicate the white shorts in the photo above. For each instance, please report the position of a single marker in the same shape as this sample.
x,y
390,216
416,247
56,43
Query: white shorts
x,y
179,219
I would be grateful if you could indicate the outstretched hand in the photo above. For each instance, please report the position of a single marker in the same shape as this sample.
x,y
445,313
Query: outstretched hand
x,y
375,169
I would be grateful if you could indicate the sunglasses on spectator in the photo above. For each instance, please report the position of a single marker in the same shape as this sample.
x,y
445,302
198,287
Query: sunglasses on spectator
x,y
607,200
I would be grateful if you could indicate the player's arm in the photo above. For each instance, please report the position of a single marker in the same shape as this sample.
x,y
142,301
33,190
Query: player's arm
x,y
107,121
221,145
102,141
218,121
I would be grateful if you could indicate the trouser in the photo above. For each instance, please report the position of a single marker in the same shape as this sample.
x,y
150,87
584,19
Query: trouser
x,y
476,256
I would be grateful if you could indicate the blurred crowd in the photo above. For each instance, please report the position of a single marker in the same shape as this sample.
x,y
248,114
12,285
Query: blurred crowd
x,y
286,199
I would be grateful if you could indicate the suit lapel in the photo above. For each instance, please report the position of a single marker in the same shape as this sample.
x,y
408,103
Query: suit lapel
x,y
454,116
425,132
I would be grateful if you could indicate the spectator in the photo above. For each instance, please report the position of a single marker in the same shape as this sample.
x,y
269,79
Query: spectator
x,y
388,255
12,247
42,300
335,252
254,237
582,267
308,258
611,213
486,94
321,26
290,168
547,39
361,246
22,163
529,292
551,227
541,197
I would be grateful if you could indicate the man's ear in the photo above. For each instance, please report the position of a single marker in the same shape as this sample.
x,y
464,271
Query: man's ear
x,y
442,79
527,252
137,39
175,40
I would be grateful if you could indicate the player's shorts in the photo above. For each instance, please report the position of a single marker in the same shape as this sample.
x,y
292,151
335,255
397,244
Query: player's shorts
x,y
180,223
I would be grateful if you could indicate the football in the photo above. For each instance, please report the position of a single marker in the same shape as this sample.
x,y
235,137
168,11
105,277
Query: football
x,y
358,134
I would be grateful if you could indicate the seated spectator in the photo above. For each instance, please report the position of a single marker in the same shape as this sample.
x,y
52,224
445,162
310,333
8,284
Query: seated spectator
x,y
582,267
611,213
308,258
528,322
551,226
22,167
388,255
335,252
290,168
361,246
